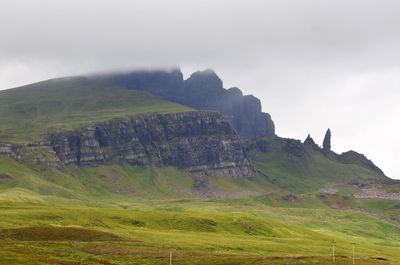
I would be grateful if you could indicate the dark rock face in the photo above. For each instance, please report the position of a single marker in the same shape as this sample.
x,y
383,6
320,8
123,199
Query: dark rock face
x,y
352,157
202,142
310,142
262,145
326,146
294,147
202,90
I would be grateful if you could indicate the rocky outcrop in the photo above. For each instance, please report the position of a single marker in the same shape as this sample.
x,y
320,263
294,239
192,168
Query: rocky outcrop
x,y
374,193
310,142
262,145
352,157
294,147
202,142
6,149
202,90
36,155
326,145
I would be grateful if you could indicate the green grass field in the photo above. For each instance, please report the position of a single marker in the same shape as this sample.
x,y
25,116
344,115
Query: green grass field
x,y
198,232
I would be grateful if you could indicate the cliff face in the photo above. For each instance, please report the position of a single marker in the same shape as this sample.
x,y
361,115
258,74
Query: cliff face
x,y
202,90
202,142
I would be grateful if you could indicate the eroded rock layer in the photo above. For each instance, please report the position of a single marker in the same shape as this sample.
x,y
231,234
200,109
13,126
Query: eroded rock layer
x,y
202,142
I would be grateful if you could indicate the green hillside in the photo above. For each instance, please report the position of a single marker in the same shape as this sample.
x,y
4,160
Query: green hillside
x,y
309,171
29,111
113,183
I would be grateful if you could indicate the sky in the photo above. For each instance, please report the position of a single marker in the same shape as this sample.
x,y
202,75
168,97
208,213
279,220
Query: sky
x,y
314,64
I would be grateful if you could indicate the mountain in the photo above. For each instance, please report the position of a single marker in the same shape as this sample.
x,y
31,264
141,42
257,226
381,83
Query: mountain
x,y
95,173
52,125
86,122
202,90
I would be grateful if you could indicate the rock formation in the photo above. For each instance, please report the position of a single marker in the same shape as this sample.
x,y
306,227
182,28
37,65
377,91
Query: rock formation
x,y
6,149
294,147
352,157
202,90
326,146
262,145
202,142
310,142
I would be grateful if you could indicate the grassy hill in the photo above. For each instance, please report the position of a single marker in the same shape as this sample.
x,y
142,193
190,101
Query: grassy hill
x,y
29,111
114,183
309,170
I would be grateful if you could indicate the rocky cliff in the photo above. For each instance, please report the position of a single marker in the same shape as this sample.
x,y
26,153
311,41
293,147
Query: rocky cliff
x,y
202,90
202,142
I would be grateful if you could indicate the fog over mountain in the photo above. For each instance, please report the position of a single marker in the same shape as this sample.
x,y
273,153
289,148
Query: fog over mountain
x,y
314,64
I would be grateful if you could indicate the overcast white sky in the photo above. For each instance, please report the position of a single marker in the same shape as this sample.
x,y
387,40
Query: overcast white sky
x,y
314,64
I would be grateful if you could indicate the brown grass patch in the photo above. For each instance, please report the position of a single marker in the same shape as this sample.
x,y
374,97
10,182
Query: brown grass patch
x,y
54,233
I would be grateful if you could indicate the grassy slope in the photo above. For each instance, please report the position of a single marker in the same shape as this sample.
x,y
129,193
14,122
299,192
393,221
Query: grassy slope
x,y
107,183
26,112
311,172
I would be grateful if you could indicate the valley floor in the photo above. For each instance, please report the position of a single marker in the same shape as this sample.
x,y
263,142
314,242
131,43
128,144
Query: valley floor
x,y
111,253
231,231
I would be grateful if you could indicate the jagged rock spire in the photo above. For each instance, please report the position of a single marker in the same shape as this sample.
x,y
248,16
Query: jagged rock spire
x,y
326,145
309,141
